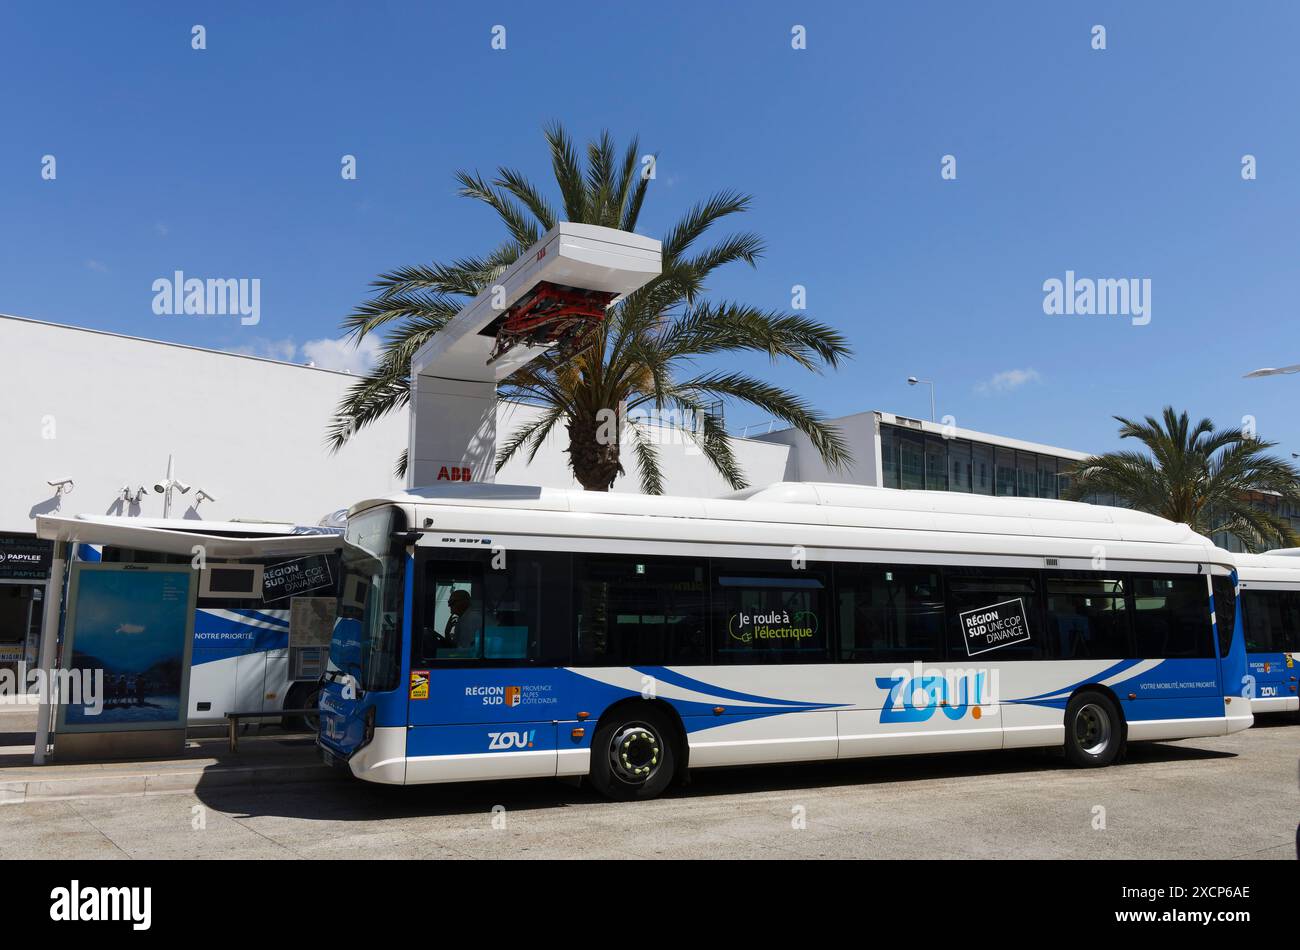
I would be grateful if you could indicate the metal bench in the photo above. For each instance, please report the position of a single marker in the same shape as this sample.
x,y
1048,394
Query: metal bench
x,y
235,717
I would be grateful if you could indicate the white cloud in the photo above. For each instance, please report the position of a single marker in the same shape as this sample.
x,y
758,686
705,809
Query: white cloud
x,y
1008,380
342,353
161,228
98,266
283,350
325,353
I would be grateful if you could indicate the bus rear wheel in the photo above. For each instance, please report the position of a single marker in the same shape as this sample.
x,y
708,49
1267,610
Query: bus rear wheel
x,y
1094,730
632,756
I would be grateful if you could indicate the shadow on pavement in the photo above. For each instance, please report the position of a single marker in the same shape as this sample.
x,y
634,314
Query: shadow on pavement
x,y
354,800
1274,720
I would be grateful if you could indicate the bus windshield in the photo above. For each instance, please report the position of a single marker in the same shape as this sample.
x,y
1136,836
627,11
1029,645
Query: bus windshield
x,y
367,632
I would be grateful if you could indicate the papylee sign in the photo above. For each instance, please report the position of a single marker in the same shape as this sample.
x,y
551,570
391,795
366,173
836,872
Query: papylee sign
x,y
994,626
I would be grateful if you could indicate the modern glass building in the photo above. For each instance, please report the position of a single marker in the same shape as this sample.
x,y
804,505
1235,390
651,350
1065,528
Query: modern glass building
x,y
914,455
894,451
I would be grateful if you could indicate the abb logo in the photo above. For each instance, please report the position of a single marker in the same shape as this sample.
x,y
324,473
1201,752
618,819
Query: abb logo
x,y
455,473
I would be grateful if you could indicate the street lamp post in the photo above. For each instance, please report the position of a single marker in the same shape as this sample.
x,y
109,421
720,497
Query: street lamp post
x,y
912,381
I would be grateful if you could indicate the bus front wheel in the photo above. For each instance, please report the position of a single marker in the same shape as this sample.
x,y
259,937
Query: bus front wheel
x,y
1094,730
632,756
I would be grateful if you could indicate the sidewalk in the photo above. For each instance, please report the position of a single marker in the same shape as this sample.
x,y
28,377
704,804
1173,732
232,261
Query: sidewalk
x,y
266,759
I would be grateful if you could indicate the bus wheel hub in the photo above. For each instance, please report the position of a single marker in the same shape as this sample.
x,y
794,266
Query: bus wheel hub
x,y
635,753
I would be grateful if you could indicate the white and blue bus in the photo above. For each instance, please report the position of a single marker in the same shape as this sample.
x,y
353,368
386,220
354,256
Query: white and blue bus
x,y
493,631
1270,611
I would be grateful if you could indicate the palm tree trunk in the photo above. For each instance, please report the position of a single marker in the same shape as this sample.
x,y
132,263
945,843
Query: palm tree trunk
x,y
595,465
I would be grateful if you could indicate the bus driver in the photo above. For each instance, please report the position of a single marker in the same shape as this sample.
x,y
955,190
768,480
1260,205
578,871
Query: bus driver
x,y
463,626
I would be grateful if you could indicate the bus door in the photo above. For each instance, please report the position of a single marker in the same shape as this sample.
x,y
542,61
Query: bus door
x,y
476,709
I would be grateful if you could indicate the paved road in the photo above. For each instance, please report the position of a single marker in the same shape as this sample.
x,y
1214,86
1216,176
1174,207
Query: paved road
x,y
1234,797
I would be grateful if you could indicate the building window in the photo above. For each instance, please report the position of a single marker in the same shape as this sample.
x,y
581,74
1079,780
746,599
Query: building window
x,y
1046,476
911,461
1006,471
888,456
1063,480
959,466
936,463
982,468
1027,474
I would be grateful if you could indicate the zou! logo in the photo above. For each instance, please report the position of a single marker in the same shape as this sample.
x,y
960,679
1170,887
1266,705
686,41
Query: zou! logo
x,y
511,740
915,695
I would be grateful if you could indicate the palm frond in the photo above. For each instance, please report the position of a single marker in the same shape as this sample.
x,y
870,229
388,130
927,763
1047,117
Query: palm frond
x,y
1195,474
780,403
567,171
516,184
699,219
521,228
647,459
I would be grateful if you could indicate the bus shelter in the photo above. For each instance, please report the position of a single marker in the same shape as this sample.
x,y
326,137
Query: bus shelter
x,y
142,610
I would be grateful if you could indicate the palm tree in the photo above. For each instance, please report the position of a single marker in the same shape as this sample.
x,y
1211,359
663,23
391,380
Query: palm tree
x,y
1197,475
641,358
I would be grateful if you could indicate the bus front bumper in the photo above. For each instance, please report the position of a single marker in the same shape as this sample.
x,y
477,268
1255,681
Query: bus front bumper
x,y
382,759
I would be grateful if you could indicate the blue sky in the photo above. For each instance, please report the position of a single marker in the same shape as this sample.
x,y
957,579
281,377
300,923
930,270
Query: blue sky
x,y
1122,163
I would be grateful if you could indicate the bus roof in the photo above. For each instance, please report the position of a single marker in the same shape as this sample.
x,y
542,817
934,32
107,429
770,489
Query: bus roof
x,y
826,504
1280,565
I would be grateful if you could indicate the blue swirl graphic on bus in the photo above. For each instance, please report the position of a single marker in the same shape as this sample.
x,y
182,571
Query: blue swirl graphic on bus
x,y
915,698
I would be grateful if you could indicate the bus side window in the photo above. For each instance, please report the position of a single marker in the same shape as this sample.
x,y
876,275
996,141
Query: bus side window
x,y
765,612
1255,617
636,610
889,614
1271,619
501,608
1225,612
1170,616
1007,593
1087,617
452,614
512,602
1288,637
